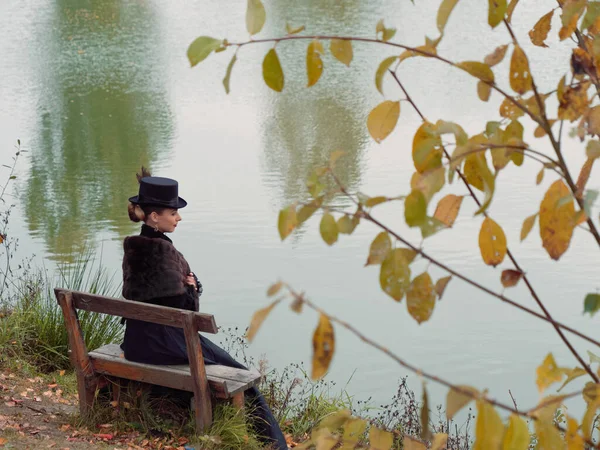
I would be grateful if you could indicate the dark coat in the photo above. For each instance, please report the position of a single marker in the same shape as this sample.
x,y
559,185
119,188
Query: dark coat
x,y
154,272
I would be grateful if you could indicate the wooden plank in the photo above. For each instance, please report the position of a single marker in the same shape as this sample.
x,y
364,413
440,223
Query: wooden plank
x,y
201,401
159,375
236,379
87,381
138,310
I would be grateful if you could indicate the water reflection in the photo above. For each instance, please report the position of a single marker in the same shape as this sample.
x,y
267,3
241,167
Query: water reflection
x,y
307,124
103,111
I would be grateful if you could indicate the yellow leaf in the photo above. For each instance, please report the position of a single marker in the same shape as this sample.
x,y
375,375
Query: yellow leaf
x,y
429,183
307,211
471,174
527,226
496,56
380,247
323,439
440,440
483,91
272,72
517,434
202,46
573,439
489,429
297,305
588,419
540,31
584,176
314,64
386,33
420,298
574,102
548,436
335,420
342,50
509,110
540,177
592,150
571,375
382,70
287,221
383,119
478,70
511,9
293,30
380,439
593,120
492,242
394,276
548,373
328,229
353,432
258,318
444,12
440,286
323,347
412,444
496,12
255,16
426,150
510,277
335,155
456,400
447,209
571,12
556,220
520,77
274,289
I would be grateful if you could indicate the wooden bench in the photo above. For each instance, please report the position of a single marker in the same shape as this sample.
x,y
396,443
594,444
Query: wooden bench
x,y
220,382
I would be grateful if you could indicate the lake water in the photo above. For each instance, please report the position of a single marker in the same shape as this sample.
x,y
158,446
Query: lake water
x,y
96,89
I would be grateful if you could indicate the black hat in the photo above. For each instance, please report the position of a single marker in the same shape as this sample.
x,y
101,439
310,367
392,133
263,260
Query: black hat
x,y
159,191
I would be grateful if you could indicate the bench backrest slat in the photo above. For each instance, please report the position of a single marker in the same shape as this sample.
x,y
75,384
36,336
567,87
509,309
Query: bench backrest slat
x,y
138,310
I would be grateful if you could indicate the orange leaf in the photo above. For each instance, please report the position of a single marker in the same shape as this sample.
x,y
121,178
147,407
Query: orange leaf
x,y
510,277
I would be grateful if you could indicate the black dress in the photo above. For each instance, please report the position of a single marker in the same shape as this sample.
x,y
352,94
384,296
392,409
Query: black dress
x,y
151,343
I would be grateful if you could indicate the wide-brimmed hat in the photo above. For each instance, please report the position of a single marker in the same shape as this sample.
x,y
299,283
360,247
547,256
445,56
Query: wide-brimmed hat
x,y
159,191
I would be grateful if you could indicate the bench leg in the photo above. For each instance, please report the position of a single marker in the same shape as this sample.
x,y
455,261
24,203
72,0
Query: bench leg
x,y
86,389
238,400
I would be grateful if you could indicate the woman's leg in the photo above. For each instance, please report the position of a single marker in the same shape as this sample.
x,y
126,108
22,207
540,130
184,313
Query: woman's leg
x,y
263,418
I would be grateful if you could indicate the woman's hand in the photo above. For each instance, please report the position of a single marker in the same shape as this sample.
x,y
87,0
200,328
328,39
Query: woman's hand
x,y
191,281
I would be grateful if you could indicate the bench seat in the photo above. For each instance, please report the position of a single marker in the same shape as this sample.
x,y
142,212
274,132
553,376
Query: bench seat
x,y
224,382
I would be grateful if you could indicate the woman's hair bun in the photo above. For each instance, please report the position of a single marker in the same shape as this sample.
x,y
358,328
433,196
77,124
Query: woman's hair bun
x,y
136,213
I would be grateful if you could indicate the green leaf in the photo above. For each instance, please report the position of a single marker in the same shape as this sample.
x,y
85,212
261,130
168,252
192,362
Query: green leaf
x,y
203,46
478,70
415,208
314,64
341,49
287,221
228,73
431,226
593,11
593,358
255,16
444,12
272,72
379,249
424,415
347,224
394,276
420,298
307,211
444,127
588,201
328,229
496,12
374,201
383,119
382,70
591,304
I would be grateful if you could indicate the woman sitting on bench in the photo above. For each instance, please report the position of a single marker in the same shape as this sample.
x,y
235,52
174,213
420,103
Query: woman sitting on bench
x,y
155,272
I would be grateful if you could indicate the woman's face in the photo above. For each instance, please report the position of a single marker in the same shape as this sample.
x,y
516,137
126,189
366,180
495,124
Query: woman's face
x,y
166,221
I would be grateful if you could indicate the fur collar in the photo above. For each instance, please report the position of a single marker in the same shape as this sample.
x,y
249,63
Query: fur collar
x,y
152,268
